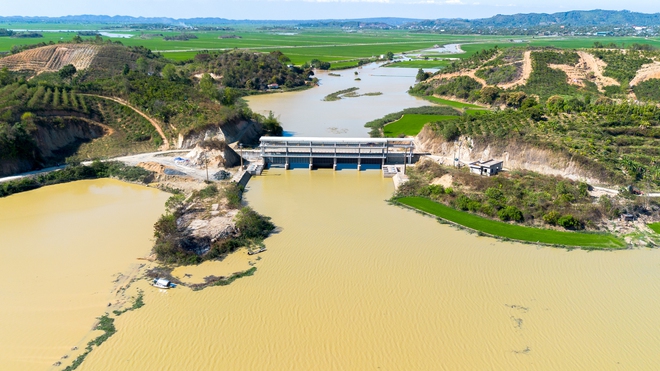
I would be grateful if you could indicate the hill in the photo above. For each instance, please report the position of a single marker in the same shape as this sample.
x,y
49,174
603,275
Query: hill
x,y
52,58
123,100
588,114
575,18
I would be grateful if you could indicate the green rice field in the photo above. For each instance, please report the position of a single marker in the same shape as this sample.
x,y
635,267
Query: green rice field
x,y
655,227
301,46
511,231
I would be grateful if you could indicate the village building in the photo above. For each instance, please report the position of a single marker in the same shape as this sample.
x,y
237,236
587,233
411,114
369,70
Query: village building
x,y
490,167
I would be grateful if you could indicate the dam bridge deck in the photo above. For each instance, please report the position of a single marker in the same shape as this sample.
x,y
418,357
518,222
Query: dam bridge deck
x,y
290,152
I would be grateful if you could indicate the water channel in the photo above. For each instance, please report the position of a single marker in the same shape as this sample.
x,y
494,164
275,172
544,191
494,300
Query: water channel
x,y
306,114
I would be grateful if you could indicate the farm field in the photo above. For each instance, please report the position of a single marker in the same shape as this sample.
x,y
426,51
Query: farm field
x,y
304,45
495,228
655,227
426,64
411,125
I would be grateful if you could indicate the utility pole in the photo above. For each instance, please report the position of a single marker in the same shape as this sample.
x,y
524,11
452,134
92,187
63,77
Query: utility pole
x,y
240,146
206,162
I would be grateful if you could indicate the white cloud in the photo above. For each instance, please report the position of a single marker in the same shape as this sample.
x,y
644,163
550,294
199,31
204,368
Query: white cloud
x,y
454,2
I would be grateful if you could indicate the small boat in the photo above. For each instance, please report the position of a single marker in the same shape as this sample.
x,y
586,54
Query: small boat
x,y
162,283
256,252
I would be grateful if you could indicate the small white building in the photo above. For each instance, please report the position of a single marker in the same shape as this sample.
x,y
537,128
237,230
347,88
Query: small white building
x,y
490,167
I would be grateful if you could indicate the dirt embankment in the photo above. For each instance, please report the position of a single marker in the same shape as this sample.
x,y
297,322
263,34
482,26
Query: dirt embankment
x,y
589,68
647,72
515,156
51,58
524,76
55,143
247,132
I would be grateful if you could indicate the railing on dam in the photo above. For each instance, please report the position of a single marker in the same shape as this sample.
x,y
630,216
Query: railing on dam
x,y
331,152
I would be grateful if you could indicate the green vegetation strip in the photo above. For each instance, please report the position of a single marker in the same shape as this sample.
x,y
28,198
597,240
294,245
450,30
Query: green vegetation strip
x,y
107,325
411,125
515,232
337,95
655,227
450,103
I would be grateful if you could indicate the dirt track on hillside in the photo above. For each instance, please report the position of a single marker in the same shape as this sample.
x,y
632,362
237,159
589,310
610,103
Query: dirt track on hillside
x,y
153,122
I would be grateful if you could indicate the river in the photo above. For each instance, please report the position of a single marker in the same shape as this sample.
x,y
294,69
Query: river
x,y
65,251
305,113
352,283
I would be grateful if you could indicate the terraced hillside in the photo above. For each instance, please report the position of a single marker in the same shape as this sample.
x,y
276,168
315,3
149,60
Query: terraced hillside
x,y
52,58
548,71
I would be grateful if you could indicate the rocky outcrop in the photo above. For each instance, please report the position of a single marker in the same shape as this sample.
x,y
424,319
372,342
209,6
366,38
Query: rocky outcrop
x,y
516,155
52,137
218,157
247,132
55,140
15,166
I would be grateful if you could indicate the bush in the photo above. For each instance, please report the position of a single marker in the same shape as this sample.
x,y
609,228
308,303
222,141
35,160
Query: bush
x,y
252,225
510,213
233,193
207,192
552,217
569,222
450,131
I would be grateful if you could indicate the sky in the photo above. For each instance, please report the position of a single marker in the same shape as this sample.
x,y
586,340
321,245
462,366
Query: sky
x,y
314,9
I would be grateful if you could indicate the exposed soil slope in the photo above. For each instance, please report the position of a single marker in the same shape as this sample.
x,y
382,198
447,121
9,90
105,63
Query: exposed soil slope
x,y
647,72
51,58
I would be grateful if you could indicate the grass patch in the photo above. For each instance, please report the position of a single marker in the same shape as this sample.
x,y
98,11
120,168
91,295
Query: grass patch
x,y
411,125
420,64
655,227
515,232
450,103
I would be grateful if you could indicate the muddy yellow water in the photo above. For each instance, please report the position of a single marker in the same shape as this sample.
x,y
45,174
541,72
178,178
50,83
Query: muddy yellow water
x,y
305,113
63,251
350,283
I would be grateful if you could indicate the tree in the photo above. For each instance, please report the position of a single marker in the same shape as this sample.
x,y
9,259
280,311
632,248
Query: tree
x,y
421,75
77,39
207,86
142,65
169,72
228,96
389,56
569,222
510,213
272,126
67,71
5,77
450,131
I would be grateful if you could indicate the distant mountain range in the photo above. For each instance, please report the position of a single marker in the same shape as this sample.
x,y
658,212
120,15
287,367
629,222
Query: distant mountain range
x,y
576,18
105,19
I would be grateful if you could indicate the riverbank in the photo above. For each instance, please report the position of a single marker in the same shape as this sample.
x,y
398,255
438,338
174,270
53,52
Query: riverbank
x,y
587,241
96,170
